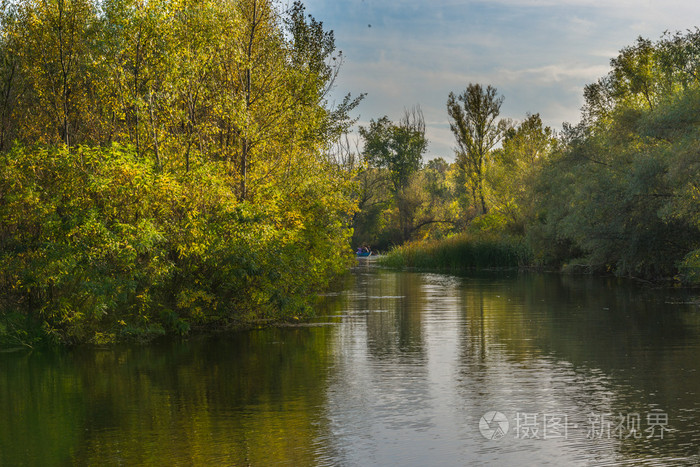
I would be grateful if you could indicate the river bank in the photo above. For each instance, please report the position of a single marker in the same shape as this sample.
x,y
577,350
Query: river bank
x,y
493,251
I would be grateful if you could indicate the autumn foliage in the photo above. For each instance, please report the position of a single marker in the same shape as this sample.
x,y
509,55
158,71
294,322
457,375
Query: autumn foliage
x,y
163,167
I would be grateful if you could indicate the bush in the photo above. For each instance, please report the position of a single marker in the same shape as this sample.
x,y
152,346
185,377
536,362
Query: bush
x,y
98,245
689,268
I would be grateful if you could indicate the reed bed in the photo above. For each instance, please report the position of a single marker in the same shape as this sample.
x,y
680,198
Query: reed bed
x,y
463,251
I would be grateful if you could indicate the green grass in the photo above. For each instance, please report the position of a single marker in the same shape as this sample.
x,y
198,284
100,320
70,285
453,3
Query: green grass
x,y
464,251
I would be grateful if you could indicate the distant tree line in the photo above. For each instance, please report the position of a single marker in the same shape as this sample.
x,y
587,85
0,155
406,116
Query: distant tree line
x,y
619,192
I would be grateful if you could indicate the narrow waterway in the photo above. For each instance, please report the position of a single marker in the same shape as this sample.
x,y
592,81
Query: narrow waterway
x,y
400,368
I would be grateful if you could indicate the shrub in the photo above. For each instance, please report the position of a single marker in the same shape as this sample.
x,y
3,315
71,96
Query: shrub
x,y
96,244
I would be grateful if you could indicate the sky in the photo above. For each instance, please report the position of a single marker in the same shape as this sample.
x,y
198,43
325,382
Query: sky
x,y
539,54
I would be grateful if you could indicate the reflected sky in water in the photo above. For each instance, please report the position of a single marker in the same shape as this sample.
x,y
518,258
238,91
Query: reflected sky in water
x,y
412,382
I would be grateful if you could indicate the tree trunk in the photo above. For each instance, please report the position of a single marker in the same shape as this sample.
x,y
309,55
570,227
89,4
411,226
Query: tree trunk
x,y
153,129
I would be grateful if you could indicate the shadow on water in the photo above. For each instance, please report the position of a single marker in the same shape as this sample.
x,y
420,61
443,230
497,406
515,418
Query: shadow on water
x,y
587,348
252,397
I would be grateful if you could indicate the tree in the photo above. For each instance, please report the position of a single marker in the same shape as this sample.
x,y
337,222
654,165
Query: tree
x,y
396,147
473,121
195,29
525,148
679,57
54,52
528,142
643,75
619,193
177,168
635,73
9,71
429,196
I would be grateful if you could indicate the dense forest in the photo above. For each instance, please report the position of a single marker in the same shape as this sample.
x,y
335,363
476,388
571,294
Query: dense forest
x,y
166,165
617,193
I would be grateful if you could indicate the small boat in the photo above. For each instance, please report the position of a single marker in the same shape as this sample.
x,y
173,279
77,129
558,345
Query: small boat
x,y
363,253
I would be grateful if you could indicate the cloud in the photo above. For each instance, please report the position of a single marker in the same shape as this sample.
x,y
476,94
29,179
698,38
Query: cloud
x,y
554,73
538,53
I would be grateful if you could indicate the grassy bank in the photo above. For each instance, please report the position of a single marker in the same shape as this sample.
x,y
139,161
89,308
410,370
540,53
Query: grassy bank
x,y
463,251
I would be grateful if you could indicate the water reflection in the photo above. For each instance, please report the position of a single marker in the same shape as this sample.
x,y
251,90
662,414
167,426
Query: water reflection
x,y
399,371
251,398
525,345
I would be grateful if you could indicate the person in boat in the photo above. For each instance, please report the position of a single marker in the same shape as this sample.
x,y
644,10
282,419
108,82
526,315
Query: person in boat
x,y
363,251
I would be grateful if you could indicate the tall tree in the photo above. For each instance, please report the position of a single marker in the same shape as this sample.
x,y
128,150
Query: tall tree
x,y
138,48
396,147
526,147
195,29
56,53
620,193
473,120
9,71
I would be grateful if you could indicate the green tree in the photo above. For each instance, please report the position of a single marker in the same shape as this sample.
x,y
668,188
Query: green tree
x,y
428,198
10,74
54,51
679,57
473,121
171,166
619,193
315,62
135,46
398,147
526,147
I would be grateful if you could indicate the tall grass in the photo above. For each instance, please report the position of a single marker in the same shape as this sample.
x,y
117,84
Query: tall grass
x,y
463,251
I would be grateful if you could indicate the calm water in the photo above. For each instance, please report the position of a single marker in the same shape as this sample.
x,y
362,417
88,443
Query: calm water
x,y
400,369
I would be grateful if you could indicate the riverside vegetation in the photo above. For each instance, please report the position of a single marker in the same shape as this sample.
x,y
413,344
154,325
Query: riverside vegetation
x,y
172,165
617,193
165,166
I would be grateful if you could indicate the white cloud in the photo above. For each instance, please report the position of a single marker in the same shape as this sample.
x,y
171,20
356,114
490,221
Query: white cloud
x,y
538,53
555,73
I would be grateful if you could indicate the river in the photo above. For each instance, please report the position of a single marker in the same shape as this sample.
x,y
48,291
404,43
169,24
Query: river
x,y
400,368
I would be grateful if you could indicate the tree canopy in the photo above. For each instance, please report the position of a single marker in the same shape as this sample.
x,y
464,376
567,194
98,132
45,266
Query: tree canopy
x,y
164,166
621,193
396,147
473,121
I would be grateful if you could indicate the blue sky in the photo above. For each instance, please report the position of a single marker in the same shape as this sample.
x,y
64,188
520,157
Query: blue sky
x,y
539,54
